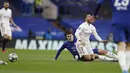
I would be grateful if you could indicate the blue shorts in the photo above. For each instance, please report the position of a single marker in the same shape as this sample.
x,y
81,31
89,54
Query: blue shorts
x,y
121,33
95,50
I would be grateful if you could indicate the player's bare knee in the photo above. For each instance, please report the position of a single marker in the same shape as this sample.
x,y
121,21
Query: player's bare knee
x,y
93,56
10,38
96,57
87,57
5,36
121,46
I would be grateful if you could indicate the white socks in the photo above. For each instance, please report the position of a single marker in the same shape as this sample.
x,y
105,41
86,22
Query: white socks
x,y
104,58
127,53
122,60
1,62
112,55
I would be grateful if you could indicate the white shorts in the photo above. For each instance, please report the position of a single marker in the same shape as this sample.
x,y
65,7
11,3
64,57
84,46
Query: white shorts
x,y
83,49
5,30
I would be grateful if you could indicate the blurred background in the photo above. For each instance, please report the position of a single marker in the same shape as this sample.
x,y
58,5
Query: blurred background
x,y
47,20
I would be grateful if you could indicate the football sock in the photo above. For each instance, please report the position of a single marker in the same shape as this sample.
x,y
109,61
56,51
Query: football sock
x,y
1,40
122,60
112,55
128,59
1,61
4,44
104,58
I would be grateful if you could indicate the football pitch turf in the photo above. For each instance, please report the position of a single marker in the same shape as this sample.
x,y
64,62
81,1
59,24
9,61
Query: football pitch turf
x,y
41,61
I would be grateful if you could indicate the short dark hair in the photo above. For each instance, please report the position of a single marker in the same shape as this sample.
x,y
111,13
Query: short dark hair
x,y
68,32
6,2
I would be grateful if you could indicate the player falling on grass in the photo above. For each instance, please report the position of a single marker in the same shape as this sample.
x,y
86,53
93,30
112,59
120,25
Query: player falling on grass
x,y
83,33
121,30
70,46
5,19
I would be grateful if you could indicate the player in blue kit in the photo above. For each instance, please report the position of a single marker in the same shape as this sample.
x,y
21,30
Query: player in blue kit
x,y
70,46
121,29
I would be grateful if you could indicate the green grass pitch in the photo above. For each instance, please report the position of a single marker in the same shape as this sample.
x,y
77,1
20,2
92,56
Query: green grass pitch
x,y
41,61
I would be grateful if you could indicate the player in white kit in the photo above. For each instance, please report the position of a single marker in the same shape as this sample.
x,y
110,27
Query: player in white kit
x,y
5,20
82,34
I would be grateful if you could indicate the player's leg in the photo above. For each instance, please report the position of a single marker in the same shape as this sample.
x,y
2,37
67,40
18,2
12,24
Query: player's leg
x,y
4,42
104,58
128,55
127,52
105,52
86,57
7,36
82,52
2,62
4,36
90,51
2,30
122,57
119,37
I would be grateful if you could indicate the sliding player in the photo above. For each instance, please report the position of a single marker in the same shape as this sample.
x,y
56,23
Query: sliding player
x,y
70,46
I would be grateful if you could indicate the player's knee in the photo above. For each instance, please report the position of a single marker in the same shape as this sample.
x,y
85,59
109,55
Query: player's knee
x,y
5,36
93,56
96,57
10,38
123,44
102,52
87,57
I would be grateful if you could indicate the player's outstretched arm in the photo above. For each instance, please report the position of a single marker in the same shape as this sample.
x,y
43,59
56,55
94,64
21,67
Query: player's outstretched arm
x,y
59,51
96,35
12,22
96,11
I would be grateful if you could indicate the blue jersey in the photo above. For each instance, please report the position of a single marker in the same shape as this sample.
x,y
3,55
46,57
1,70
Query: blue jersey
x,y
70,46
120,11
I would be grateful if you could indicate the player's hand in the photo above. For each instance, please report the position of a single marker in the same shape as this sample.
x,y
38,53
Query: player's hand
x,y
15,26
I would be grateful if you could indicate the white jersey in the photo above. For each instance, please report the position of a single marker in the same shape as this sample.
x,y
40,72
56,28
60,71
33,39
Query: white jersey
x,y
5,16
84,32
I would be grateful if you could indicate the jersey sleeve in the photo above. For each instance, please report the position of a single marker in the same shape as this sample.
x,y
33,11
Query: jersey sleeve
x,y
60,50
96,34
78,32
98,6
11,12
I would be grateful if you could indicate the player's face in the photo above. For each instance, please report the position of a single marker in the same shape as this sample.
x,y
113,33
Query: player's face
x,y
70,37
6,5
89,18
